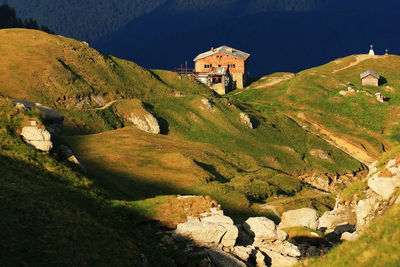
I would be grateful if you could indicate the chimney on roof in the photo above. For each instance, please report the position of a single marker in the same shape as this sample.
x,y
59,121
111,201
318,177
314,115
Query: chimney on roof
x,y
212,49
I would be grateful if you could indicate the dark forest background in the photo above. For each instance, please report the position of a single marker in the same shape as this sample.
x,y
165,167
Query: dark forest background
x,y
281,35
9,19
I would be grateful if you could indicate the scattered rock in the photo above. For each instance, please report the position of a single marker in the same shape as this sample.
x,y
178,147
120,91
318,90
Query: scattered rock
x,y
242,253
346,236
210,231
83,102
245,119
318,153
330,219
277,259
264,229
208,104
301,217
50,115
318,181
223,259
38,138
148,124
363,211
379,97
99,100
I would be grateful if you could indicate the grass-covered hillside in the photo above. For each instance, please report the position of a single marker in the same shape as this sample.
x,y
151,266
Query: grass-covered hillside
x,y
58,71
357,121
204,148
57,215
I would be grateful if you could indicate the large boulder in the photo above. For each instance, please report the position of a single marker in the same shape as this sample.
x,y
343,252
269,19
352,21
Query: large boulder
x,y
222,259
242,253
330,219
38,138
264,229
245,119
386,181
210,231
148,123
305,217
279,260
134,111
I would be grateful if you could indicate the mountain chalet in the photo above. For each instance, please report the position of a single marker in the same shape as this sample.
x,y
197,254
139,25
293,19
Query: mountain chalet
x,y
222,69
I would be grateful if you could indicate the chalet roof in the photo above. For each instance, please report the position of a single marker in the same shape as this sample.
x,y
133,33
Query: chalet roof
x,y
225,50
369,72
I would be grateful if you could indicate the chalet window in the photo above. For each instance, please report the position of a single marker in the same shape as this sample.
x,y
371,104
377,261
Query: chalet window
x,y
231,66
207,66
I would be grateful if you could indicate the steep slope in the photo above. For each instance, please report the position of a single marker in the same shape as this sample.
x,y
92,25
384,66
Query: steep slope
x,y
54,70
91,89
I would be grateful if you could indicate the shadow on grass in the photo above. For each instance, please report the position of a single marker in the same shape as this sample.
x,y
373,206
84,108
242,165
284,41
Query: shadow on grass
x,y
211,169
52,218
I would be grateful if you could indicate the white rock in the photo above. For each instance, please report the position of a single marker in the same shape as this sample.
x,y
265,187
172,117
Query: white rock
x,y
242,253
218,219
330,219
222,259
148,124
208,104
385,187
210,231
379,97
38,138
305,217
349,236
264,229
44,146
231,234
245,119
202,233
363,210
279,260
260,259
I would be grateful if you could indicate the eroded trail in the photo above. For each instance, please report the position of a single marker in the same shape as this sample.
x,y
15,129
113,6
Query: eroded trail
x,y
346,146
359,59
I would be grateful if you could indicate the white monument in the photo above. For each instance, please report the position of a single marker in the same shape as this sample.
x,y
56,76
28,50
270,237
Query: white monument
x,y
371,51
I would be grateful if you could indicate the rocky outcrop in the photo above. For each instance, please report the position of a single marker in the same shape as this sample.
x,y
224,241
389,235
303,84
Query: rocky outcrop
x,y
385,182
327,182
38,138
207,104
148,124
331,219
245,119
305,217
379,97
67,153
222,259
271,241
210,231
134,111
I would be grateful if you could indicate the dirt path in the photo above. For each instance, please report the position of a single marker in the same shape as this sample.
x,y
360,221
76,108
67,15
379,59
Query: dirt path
x,y
359,59
346,146
106,105
269,82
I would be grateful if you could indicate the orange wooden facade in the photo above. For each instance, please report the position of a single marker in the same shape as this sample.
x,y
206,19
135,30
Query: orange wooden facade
x,y
234,65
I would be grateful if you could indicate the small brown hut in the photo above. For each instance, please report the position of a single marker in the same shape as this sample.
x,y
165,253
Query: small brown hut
x,y
370,78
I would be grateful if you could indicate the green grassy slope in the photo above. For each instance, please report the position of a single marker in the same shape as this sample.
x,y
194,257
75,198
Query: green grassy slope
x,y
203,152
313,96
58,71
